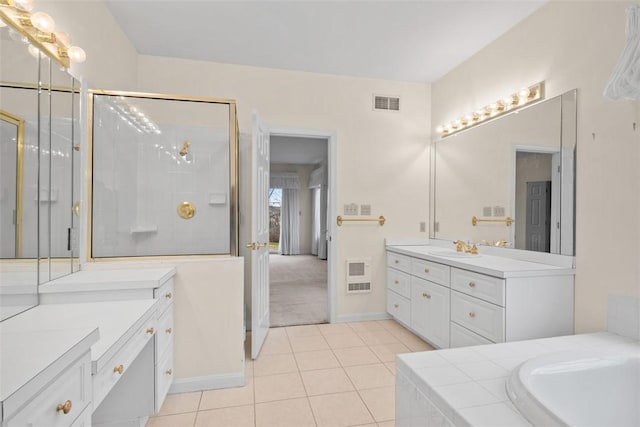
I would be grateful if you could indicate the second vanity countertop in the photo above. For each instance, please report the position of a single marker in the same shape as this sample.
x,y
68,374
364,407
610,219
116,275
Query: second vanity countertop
x,y
111,280
496,266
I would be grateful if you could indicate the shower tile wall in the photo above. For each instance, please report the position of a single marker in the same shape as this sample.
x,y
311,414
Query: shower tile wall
x,y
140,179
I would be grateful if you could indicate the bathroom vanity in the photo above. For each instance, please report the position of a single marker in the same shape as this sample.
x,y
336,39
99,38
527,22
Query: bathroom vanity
x,y
97,350
456,299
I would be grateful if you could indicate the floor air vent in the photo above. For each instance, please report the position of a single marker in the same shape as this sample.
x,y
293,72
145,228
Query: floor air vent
x,y
387,103
358,276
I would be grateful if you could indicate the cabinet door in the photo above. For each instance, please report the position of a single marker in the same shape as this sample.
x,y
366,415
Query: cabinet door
x,y
430,311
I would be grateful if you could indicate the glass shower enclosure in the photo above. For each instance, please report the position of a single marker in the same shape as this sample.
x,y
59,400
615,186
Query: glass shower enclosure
x,y
163,176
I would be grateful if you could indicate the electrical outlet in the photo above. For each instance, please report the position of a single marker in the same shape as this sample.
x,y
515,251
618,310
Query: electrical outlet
x,y
436,227
350,209
423,226
486,211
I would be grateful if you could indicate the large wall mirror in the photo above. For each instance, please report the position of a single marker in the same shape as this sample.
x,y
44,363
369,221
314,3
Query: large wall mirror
x,y
39,172
510,182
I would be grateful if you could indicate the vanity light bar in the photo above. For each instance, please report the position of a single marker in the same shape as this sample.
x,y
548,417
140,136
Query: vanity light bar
x,y
38,29
516,100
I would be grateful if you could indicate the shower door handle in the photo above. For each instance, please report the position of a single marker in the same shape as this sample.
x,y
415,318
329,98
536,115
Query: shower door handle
x,y
254,246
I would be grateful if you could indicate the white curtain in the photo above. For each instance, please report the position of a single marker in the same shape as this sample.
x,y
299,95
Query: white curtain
x,y
318,185
289,222
289,182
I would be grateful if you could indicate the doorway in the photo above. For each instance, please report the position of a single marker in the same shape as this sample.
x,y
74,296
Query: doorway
x,y
298,212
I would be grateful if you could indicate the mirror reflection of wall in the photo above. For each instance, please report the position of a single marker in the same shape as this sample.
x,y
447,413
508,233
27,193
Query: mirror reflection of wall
x,y
162,177
519,166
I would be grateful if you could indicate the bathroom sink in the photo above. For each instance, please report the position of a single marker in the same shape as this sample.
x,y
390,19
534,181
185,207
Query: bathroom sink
x,y
453,254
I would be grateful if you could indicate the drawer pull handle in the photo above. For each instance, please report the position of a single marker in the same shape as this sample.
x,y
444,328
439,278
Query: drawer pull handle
x,y
168,372
426,270
426,295
168,295
472,284
150,331
65,407
119,369
168,330
396,305
472,314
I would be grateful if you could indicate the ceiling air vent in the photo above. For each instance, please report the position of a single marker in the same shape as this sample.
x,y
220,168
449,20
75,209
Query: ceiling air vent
x,y
387,103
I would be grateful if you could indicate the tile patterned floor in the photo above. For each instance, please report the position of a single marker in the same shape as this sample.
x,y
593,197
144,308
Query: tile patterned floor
x,y
330,375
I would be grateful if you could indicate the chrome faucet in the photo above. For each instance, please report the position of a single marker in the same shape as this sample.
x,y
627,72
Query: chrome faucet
x,y
466,247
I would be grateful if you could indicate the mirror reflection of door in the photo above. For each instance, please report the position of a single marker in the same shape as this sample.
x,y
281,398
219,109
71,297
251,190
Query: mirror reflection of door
x,y
11,145
538,224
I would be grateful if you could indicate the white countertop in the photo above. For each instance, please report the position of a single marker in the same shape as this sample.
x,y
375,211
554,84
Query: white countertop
x,y
29,358
468,384
111,280
116,320
491,265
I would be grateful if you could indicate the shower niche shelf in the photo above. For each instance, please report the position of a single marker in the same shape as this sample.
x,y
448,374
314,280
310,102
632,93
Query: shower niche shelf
x,y
143,229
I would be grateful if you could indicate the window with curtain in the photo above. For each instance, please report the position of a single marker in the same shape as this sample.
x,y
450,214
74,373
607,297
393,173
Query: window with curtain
x,y
289,211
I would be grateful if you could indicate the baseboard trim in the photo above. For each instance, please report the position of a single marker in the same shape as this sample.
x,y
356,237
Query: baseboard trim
x,y
209,382
361,317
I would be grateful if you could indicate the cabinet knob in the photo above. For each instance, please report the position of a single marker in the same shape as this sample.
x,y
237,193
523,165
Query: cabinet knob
x,y
396,305
472,314
397,261
426,270
65,407
169,372
168,295
426,295
395,281
168,330
119,369
472,284
150,331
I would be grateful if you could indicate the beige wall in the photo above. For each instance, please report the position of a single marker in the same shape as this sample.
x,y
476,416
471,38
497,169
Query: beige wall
x,y
572,45
381,156
111,58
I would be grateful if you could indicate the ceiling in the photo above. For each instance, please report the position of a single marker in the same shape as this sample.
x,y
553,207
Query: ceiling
x,y
298,151
417,41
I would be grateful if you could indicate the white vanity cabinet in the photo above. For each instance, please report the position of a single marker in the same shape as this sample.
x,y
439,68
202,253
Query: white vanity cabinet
x,y
457,301
45,376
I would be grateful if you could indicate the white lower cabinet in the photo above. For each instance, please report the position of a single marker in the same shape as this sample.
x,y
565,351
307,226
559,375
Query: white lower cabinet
x,y
430,311
489,299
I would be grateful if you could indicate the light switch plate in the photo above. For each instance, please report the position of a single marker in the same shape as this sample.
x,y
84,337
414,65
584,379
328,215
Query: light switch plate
x,y
350,209
486,211
365,210
498,211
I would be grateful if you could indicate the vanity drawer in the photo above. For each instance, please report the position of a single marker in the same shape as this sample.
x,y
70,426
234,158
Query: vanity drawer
x,y
434,272
164,294
399,282
112,371
399,262
479,316
73,385
164,334
481,286
462,337
164,378
399,307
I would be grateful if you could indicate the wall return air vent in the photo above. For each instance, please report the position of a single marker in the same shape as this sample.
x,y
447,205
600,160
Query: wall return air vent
x,y
386,103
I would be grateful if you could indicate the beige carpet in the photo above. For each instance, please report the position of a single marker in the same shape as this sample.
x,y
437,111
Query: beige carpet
x,y
298,290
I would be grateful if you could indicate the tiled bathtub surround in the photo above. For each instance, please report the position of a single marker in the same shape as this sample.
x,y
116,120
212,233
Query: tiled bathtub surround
x,y
466,386
623,316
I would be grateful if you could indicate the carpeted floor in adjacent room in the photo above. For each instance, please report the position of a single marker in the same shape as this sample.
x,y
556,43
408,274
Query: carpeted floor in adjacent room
x,y
298,290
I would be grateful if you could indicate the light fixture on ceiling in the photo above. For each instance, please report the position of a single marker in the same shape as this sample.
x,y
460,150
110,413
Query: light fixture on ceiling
x,y
38,30
516,100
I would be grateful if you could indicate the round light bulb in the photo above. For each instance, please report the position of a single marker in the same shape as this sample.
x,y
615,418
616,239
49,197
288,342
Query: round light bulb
x,y
77,54
43,22
440,128
34,51
524,93
26,5
63,38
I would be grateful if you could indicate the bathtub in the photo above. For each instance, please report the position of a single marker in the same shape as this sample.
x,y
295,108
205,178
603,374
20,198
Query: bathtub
x,y
579,388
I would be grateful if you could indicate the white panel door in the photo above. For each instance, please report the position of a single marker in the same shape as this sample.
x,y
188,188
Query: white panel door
x,y
259,236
